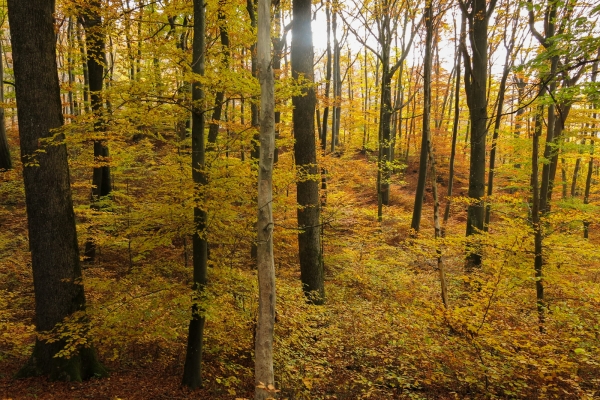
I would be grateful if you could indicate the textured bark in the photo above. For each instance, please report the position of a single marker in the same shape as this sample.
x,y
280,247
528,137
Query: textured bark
x,y
426,134
263,350
94,40
309,239
192,372
52,236
477,15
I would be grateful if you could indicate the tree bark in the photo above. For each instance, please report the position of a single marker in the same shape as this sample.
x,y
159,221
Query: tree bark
x,y
263,373
213,130
192,372
426,134
475,89
94,40
58,289
309,240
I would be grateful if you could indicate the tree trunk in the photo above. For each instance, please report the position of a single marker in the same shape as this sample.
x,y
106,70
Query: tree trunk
x,y
192,372
475,89
426,135
58,289
254,153
537,226
309,240
94,41
264,378
213,130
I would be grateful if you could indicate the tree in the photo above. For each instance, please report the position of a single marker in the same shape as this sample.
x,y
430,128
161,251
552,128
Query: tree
x,y
426,134
305,152
91,20
58,289
477,13
192,372
263,373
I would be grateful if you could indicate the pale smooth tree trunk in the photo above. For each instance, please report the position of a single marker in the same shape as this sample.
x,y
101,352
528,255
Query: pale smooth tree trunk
x,y
263,347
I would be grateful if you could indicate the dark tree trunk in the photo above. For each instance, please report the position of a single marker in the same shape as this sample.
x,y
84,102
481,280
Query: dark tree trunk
x,y
475,88
52,236
426,138
309,240
536,222
213,130
94,41
192,372
255,152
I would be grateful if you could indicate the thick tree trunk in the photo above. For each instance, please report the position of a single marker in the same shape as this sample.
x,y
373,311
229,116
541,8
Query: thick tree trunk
x,y
309,240
52,236
475,88
192,372
263,349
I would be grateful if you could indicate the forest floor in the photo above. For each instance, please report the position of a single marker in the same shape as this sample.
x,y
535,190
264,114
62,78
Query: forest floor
x,y
382,334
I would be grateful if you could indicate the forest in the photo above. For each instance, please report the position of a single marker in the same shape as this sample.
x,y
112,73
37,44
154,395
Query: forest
x,y
295,199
